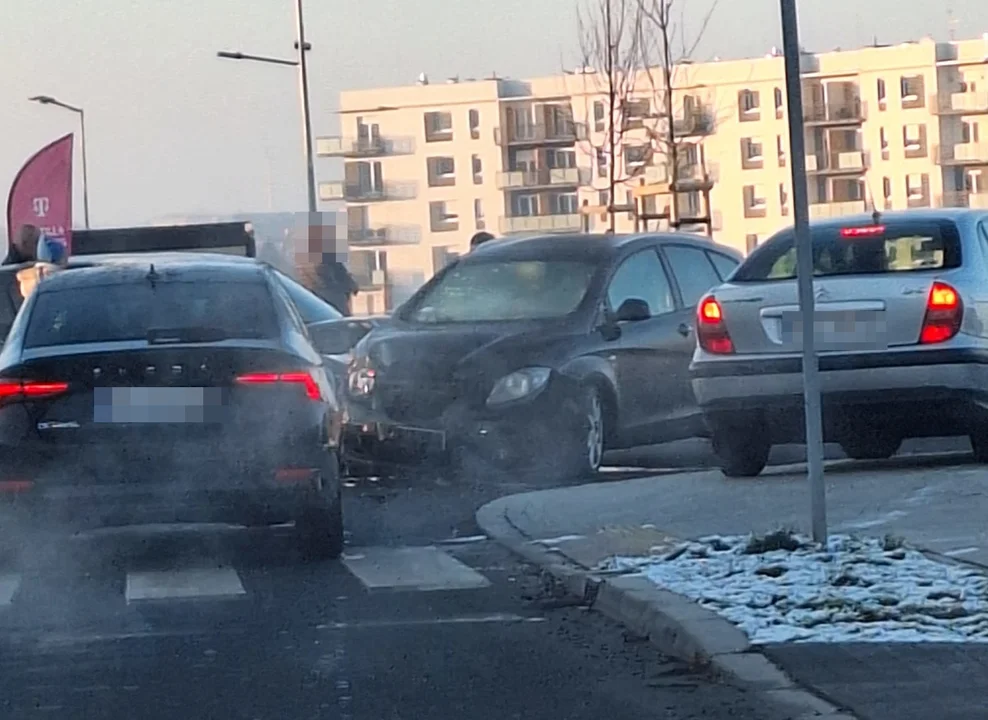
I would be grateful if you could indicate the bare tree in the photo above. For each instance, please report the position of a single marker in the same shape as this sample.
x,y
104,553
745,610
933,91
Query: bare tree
x,y
675,48
614,50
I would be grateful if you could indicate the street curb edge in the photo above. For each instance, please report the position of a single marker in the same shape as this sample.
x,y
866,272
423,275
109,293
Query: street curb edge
x,y
674,624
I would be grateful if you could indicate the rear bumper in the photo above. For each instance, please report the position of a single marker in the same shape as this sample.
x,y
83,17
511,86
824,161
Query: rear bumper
x,y
71,499
924,393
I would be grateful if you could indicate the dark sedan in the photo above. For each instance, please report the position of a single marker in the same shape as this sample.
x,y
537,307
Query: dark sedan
x,y
537,354
167,389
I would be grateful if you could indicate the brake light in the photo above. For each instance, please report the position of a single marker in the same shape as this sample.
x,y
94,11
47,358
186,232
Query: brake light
x,y
20,390
711,332
944,312
305,379
858,232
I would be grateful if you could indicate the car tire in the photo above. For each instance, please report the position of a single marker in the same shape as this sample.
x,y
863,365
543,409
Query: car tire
x,y
880,446
741,454
582,454
320,527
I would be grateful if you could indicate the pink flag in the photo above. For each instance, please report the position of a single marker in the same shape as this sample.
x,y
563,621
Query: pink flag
x,y
41,194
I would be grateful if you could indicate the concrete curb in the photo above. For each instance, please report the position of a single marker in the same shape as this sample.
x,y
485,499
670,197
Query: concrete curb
x,y
674,624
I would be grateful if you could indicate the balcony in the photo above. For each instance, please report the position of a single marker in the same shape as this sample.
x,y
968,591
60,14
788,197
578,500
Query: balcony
x,y
823,210
386,235
963,154
365,147
569,222
543,177
694,122
843,112
542,133
356,192
696,176
961,103
851,162
964,199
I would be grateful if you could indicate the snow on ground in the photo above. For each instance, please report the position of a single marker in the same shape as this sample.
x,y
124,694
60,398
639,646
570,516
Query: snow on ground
x,y
783,588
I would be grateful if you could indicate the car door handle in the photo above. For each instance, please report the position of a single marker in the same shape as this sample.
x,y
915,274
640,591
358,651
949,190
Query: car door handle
x,y
684,330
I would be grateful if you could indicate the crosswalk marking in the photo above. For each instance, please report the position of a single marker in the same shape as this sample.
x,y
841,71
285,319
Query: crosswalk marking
x,y
188,583
411,568
9,585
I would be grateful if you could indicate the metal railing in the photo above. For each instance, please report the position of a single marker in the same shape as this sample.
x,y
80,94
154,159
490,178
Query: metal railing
x,y
962,154
568,222
351,147
385,235
356,192
819,211
542,177
844,111
566,132
960,103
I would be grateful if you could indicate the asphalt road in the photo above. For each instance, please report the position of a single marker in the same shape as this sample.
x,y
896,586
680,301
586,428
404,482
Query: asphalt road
x,y
422,619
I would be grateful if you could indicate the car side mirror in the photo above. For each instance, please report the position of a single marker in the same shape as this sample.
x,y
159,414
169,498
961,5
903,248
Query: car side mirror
x,y
337,338
633,310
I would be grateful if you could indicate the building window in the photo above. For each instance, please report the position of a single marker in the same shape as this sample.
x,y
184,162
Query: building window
x,y
525,205
918,190
912,88
442,218
604,198
560,159
969,133
478,215
752,154
475,124
599,117
478,170
635,112
914,140
755,205
441,171
438,126
780,148
564,204
885,143
750,242
749,105
882,101
783,198
779,103
635,157
601,163
887,192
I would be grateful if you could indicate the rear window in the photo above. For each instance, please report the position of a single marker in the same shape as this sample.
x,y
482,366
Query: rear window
x,y
218,310
870,250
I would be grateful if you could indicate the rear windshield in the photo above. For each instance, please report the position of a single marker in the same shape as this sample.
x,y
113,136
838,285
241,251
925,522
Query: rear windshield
x,y
873,250
217,310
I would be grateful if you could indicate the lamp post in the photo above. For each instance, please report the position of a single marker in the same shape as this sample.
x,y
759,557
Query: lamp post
x,y
49,100
303,79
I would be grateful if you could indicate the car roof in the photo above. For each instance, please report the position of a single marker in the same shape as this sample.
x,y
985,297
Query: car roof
x,y
96,270
589,246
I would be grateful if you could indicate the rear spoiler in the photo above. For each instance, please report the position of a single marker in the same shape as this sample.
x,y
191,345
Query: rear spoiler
x,y
233,238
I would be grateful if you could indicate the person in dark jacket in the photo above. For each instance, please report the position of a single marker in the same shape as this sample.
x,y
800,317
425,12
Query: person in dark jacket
x,y
24,246
327,277
479,239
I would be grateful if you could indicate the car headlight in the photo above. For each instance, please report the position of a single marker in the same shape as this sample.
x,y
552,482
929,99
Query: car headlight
x,y
361,380
518,385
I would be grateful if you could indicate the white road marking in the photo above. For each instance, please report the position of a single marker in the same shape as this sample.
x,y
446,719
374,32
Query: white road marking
x,y
460,620
411,568
188,583
9,585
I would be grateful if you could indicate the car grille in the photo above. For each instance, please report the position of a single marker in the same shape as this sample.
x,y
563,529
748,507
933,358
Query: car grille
x,y
407,402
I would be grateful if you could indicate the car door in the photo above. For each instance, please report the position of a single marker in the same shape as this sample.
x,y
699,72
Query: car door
x,y
695,274
641,353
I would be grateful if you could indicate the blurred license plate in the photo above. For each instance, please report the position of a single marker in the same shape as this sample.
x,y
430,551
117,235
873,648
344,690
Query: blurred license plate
x,y
158,405
853,326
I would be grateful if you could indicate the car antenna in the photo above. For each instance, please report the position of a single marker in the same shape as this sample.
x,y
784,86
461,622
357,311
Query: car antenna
x,y
152,276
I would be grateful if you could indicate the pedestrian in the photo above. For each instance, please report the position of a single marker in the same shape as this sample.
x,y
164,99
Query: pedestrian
x,y
326,276
24,245
479,239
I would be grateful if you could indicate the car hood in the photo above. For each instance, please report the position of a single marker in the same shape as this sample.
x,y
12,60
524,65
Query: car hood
x,y
427,353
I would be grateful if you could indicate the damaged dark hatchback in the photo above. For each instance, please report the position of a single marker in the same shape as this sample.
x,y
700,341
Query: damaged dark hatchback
x,y
536,355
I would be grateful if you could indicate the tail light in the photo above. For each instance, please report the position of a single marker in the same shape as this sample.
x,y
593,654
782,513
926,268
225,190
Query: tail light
x,y
711,332
303,378
944,311
22,390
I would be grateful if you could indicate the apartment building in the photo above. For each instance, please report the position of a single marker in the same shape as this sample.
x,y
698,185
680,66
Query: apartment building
x,y
426,166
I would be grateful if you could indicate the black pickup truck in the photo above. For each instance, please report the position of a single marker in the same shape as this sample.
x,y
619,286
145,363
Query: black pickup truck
x,y
234,238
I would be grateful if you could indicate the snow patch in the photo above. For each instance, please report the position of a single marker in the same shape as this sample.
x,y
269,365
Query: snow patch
x,y
784,588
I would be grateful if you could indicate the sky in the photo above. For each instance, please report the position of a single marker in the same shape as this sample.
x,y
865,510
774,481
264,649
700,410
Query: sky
x,y
173,130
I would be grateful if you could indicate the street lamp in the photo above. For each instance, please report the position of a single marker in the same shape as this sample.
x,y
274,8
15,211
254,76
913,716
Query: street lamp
x,y
303,79
49,100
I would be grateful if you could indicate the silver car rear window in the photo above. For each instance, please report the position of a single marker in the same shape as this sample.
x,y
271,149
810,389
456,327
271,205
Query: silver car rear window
x,y
893,247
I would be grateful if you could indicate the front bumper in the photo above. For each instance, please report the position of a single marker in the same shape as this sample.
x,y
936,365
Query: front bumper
x,y
505,436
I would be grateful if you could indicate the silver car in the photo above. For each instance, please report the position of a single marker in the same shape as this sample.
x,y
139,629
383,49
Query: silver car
x,y
901,326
